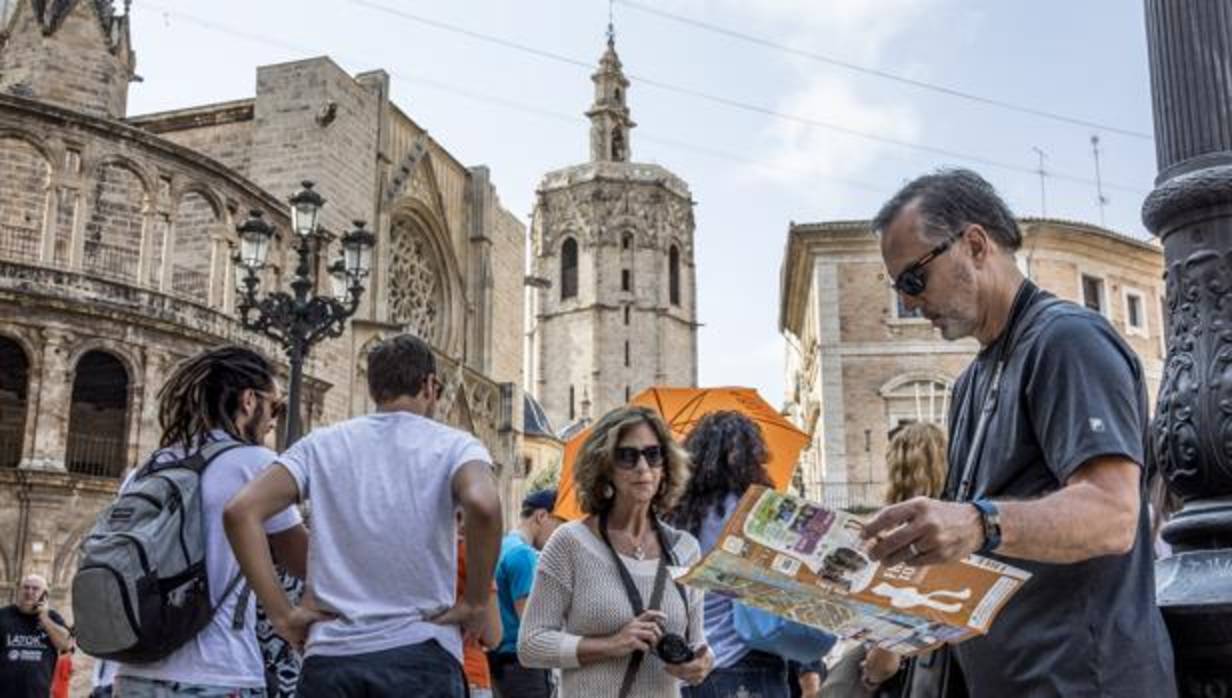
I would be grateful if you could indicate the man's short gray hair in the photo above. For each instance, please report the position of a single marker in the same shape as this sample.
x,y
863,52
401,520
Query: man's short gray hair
x,y
950,199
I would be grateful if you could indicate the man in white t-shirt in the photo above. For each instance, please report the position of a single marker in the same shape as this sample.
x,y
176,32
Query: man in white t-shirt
x,y
236,389
384,618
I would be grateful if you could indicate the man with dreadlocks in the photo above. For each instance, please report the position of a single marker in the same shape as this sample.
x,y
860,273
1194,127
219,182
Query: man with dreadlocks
x,y
384,487
225,394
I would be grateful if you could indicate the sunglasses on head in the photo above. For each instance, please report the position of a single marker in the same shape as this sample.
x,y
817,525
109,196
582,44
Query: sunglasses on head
x,y
627,457
912,280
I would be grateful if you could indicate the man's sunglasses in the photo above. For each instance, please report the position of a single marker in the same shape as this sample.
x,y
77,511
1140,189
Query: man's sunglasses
x,y
278,405
627,457
912,281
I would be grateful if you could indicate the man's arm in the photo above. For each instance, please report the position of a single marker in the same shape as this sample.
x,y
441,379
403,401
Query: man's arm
x,y
59,635
519,606
474,489
1094,514
271,492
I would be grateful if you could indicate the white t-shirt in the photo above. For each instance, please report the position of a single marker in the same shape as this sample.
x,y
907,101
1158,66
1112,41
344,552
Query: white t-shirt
x,y
383,553
219,655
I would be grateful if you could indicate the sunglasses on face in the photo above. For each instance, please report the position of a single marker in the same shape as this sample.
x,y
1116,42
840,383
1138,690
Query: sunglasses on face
x,y
278,406
627,457
912,281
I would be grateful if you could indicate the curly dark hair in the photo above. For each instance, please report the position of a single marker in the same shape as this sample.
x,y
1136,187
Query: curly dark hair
x,y
729,456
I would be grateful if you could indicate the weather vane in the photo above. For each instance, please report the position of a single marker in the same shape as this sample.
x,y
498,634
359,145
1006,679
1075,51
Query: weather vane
x,y
611,26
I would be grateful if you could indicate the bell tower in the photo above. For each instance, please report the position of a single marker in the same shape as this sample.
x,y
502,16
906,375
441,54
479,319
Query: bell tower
x,y
612,243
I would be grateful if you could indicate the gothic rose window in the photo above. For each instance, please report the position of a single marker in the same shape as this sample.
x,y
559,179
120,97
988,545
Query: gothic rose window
x,y
416,291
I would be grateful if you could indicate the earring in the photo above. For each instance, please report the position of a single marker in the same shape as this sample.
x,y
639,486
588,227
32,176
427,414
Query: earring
x,y
608,492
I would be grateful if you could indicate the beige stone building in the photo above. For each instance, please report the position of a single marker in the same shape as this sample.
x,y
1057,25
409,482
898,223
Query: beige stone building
x,y
116,243
615,305
858,364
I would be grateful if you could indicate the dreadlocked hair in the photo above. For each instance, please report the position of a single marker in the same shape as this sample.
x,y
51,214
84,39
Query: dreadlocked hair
x,y
203,393
729,456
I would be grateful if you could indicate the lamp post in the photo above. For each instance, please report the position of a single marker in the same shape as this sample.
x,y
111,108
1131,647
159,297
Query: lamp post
x,y
1190,211
297,320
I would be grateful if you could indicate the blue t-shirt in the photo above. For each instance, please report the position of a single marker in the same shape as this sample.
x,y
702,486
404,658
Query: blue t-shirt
x,y
515,572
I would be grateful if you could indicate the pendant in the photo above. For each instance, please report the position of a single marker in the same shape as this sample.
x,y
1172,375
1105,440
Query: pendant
x,y
639,553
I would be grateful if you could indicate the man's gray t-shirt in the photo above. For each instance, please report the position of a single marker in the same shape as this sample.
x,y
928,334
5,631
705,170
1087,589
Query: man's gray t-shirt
x,y
382,553
1071,391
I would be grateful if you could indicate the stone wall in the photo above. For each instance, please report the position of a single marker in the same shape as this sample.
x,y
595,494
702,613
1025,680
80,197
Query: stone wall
x,y
72,57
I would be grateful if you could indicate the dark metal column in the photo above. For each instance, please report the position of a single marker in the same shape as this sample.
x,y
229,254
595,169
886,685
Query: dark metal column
x,y
1190,210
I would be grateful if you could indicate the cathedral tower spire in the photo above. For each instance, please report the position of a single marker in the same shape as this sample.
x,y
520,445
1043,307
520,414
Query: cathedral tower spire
x,y
609,114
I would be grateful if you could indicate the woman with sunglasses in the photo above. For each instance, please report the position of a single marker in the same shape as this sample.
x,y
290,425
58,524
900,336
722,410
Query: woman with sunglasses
x,y
604,608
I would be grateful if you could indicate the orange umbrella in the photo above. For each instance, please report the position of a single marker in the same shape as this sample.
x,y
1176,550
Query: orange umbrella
x,y
682,408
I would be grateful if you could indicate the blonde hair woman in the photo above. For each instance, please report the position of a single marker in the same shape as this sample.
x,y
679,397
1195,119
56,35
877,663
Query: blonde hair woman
x,y
916,467
603,607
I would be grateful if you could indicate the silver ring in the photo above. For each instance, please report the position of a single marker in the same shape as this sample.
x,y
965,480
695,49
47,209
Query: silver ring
x,y
915,552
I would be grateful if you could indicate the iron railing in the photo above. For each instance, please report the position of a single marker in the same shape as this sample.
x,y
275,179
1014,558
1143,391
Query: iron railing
x,y
18,243
110,260
190,282
100,456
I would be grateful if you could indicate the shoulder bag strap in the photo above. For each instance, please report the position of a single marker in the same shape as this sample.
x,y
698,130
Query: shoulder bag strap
x,y
635,600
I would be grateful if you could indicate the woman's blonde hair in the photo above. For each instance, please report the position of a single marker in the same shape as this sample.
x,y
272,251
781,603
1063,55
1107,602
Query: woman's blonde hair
x,y
915,460
592,472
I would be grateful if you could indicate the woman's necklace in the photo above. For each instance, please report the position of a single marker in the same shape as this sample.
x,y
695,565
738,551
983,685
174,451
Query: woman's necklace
x,y
639,546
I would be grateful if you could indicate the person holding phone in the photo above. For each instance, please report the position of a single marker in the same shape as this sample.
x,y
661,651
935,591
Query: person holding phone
x,y
33,636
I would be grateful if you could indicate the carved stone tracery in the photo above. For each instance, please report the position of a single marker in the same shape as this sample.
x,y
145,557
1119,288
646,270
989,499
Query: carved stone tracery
x,y
417,291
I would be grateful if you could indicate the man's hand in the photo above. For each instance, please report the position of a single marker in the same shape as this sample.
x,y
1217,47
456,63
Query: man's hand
x,y
879,666
695,671
294,626
810,684
924,531
469,617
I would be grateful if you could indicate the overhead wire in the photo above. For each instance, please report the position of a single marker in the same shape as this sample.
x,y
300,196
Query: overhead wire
x,y
886,75
507,103
735,103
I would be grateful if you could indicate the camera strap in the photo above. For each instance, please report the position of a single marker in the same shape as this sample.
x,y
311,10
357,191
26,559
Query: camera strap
x,y
635,597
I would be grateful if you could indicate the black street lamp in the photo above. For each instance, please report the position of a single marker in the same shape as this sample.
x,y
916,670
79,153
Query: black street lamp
x,y
296,320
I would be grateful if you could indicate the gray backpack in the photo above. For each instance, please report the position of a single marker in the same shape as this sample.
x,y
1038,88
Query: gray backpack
x,y
141,589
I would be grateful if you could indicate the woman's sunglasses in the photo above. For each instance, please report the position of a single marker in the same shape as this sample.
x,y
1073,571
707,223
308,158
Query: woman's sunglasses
x,y
627,457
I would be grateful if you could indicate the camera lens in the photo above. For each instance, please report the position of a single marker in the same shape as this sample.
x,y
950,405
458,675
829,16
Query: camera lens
x,y
673,649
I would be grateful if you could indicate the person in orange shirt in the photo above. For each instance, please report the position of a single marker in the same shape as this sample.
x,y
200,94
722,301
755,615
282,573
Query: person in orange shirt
x,y
64,670
475,649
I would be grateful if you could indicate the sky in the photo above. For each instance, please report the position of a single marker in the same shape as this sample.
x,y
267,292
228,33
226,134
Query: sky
x,y
808,130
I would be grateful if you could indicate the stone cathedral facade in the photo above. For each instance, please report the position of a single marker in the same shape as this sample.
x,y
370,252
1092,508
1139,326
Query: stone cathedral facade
x,y
117,236
615,308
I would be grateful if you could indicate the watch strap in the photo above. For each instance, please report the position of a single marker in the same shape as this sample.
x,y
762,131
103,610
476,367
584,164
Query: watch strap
x,y
990,517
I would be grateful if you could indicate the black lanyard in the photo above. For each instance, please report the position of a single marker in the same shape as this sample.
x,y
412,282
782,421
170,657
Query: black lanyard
x,y
1013,329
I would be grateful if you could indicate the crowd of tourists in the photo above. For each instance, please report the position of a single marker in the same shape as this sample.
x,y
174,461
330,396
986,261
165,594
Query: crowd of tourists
x,y
412,588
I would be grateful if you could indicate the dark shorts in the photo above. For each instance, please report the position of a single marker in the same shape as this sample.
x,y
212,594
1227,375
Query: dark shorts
x,y
512,680
757,674
424,669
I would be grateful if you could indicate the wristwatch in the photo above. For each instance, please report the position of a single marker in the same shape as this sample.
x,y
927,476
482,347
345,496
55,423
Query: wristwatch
x,y
990,516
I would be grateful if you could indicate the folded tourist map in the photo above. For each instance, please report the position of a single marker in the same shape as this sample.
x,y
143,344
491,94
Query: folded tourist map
x,y
799,560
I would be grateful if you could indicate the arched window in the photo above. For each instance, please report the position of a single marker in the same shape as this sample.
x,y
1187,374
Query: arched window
x,y
921,400
626,241
14,392
568,269
673,275
98,417
572,404
618,145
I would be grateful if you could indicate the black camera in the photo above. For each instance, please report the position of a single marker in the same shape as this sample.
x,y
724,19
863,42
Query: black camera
x,y
673,649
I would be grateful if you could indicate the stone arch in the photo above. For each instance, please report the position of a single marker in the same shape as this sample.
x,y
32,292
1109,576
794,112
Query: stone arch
x,y
25,182
101,406
68,552
115,228
197,218
15,381
425,291
918,396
